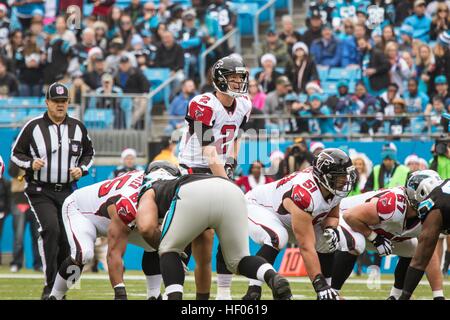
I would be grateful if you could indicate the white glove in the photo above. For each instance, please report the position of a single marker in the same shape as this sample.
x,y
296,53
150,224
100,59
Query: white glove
x,y
381,243
331,236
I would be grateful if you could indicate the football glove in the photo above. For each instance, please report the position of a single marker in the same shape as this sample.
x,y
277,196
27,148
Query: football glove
x,y
331,236
381,243
230,165
323,290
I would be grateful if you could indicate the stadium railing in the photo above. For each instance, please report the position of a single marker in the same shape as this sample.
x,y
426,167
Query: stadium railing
x,y
271,6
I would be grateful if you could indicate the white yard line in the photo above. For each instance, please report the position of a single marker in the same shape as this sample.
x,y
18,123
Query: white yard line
x,y
190,278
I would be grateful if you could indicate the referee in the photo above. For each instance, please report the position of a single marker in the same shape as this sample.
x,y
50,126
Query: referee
x,y
55,151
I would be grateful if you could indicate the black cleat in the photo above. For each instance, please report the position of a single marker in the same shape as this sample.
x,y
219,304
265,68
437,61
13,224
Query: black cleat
x,y
439,298
155,298
280,288
46,293
391,298
52,298
253,293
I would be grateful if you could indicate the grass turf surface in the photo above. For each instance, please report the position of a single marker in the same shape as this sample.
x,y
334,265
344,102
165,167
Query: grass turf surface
x,y
95,286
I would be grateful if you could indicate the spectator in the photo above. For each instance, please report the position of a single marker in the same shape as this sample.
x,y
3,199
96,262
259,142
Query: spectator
x,y
403,10
178,106
423,164
321,9
169,54
344,10
60,60
276,159
256,94
312,87
442,89
296,158
413,163
113,21
351,56
149,21
117,51
432,6
420,22
102,8
134,10
4,25
388,9
275,46
316,147
62,32
374,65
128,158
78,88
175,22
442,59
190,38
416,101
343,104
8,82
298,123
441,157
388,35
111,103
346,30
26,10
221,11
390,173
131,79
434,112
275,104
94,78
22,214
301,69
327,50
363,166
320,125
367,105
406,38
314,31
126,31
425,64
386,100
400,71
101,29
289,35
9,51
81,50
168,151
398,125
441,22
267,77
255,177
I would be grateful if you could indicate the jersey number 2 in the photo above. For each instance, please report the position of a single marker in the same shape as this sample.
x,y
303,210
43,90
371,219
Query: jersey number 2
x,y
228,132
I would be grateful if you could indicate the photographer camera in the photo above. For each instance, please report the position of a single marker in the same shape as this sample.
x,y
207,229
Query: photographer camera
x,y
297,157
441,157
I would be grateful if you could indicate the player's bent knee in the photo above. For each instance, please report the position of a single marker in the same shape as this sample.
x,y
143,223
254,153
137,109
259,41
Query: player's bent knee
x,y
87,256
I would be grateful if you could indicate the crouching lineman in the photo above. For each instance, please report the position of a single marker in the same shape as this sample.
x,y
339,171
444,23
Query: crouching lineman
x,y
384,221
107,208
189,205
302,207
432,196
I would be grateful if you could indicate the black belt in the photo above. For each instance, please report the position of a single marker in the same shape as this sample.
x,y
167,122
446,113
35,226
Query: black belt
x,y
57,187
196,170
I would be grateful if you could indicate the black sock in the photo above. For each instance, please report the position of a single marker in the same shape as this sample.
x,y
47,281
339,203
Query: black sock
x,y
342,268
446,261
221,266
400,272
172,270
269,253
68,269
249,265
202,296
326,263
150,263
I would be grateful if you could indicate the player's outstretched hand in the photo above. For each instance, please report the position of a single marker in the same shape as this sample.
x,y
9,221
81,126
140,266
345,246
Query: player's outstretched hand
x,y
323,290
382,244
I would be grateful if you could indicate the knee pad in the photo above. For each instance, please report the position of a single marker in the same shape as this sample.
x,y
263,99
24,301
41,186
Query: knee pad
x,y
274,237
86,256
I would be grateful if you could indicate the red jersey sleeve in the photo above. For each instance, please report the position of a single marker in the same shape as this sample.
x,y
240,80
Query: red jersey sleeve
x,y
201,113
302,198
126,211
386,205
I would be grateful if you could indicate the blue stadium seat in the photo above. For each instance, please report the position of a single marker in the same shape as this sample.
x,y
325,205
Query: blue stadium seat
x,y
339,73
265,15
281,4
12,116
34,112
246,15
323,73
302,30
127,107
156,76
329,87
254,71
99,118
21,101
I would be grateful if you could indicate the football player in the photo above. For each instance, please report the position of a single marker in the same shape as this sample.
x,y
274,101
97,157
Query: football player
x,y
431,194
211,145
384,221
188,205
107,208
302,207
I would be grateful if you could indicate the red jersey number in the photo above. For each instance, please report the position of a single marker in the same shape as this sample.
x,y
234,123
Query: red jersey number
x,y
118,183
228,132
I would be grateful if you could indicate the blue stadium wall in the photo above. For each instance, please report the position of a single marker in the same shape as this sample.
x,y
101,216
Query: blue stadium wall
x,y
249,152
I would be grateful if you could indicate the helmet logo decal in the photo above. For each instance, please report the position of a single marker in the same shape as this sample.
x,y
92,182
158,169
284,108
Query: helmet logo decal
x,y
324,159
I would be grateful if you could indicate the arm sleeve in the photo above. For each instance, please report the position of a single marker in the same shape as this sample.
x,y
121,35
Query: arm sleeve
x,y
20,154
87,157
369,183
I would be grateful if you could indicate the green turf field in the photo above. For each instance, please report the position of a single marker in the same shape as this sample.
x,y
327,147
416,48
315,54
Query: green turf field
x,y
95,286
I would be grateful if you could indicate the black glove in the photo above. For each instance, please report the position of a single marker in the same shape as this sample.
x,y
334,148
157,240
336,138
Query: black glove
x,y
120,293
323,290
230,165
382,244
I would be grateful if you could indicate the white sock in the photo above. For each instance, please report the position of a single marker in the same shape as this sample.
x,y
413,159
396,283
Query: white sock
x,y
396,292
224,292
153,285
174,288
224,285
262,271
328,281
438,293
254,282
59,287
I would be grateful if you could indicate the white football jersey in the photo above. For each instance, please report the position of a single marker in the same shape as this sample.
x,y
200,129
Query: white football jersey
x,y
304,191
391,208
122,191
206,109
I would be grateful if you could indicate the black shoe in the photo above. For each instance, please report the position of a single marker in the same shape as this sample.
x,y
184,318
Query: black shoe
x,y
391,298
153,298
439,298
51,298
253,293
280,288
46,293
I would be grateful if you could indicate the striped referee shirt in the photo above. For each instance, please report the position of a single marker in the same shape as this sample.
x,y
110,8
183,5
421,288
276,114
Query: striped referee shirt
x,y
61,146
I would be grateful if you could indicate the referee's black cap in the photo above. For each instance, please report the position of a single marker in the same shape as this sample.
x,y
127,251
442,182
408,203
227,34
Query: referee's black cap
x,y
57,90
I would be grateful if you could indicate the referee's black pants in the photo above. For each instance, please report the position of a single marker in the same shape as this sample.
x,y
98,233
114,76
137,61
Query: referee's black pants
x,y
47,203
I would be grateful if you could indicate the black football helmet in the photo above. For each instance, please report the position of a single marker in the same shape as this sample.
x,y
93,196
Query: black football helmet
x,y
229,65
328,168
160,165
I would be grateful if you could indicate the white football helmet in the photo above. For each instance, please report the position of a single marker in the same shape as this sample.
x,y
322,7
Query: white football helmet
x,y
420,184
